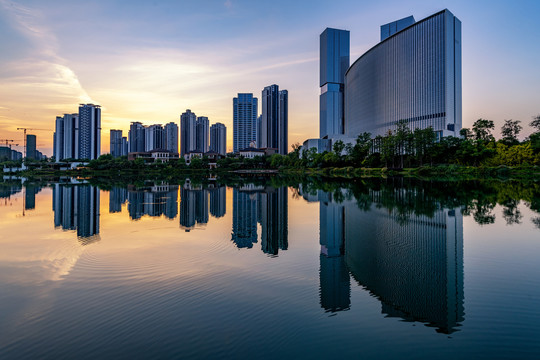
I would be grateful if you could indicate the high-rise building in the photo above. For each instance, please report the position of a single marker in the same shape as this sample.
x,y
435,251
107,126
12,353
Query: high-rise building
x,y
31,146
259,131
274,121
244,121
412,75
333,62
202,128
171,137
283,125
270,114
58,139
71,136
116,143
89,131
188,126
218,138
154,137
136,137
125,146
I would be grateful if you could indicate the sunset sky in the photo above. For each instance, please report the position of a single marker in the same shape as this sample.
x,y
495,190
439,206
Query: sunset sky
x,y
149,61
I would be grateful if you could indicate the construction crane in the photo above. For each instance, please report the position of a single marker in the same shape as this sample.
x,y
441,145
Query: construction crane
x,y
24,132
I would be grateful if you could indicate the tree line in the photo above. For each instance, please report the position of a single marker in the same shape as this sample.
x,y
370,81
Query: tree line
x,y
406,148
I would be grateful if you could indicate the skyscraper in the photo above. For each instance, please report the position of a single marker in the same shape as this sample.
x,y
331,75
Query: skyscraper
x,y
31,146
202,128
188,126
125,146
58,139
89,131
71,136
218,138
274,122
283,126
116,143
413,75
154,137
244,121
259,131
171,137
334,62
136,137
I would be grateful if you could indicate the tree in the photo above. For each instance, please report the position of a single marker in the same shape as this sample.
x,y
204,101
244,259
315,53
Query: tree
x,y
423,142
466,133
402,139
510,131
338,147
388,148
482,130
361,149
536,123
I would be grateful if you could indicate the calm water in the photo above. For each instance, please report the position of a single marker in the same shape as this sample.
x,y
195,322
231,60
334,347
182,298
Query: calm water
x,y
374,269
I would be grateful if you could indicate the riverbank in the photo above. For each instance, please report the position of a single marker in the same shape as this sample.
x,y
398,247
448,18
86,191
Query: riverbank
x,y
439,171
446,171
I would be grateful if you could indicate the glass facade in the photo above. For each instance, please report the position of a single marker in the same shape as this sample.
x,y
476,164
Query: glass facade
x,y
334,62
413,76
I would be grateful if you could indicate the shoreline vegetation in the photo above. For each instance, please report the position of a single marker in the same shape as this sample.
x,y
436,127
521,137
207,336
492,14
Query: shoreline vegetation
x,y
403,152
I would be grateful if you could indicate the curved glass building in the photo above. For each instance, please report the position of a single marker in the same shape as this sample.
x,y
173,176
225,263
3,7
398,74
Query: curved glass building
x,y
413,74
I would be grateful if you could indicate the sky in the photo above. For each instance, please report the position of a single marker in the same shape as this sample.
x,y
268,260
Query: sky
x,y
149,61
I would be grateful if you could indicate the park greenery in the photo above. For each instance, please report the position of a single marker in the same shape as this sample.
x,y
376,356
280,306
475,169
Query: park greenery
x,y
404,148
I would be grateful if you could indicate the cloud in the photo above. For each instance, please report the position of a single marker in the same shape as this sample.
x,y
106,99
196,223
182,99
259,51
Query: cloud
x,y
228,4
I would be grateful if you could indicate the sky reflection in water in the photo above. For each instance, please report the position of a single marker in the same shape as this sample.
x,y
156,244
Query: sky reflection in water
x,y
208,270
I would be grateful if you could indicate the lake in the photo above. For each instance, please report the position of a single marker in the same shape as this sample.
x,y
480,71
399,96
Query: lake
x,y
258,268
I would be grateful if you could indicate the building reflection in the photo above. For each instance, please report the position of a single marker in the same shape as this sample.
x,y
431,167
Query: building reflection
x,y
412,263
117,197
244,228
335,285
30,196
218,201
152,199
76,207
193,206
273,219
264,205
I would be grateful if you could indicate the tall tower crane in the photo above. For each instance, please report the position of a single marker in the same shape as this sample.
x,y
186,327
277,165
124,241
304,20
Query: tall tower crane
x,y
24,132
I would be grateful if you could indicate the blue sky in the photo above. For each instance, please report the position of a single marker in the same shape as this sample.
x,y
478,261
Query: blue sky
x,y
150,60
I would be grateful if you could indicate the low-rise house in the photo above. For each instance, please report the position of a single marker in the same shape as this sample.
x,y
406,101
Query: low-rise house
x,y
190,155
153,155
250,153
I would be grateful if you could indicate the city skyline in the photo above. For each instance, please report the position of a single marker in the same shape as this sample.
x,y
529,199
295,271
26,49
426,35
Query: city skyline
x,y
47,70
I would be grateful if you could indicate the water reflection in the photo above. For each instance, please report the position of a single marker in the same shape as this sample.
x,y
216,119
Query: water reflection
x,y
193,206
267,206
150,199
76,207
413,264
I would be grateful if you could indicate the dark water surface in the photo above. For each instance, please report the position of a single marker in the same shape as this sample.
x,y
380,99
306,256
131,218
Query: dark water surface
x,y
386,268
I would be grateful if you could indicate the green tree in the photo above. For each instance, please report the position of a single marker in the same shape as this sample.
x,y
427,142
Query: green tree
x,y
535,123
388,148
402,140
466,133
424,141
482,130
360,151
510,131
